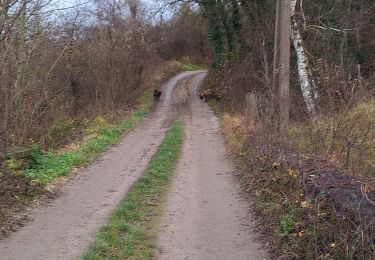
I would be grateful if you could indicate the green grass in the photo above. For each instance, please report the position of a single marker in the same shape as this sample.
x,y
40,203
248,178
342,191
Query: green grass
x,y
191,67
54,164
128,233
288,221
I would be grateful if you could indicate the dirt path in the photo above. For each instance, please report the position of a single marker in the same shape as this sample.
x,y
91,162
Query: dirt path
x,y
63,229
205,216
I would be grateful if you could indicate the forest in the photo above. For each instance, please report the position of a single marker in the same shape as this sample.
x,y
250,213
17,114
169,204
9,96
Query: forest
x,y
297,81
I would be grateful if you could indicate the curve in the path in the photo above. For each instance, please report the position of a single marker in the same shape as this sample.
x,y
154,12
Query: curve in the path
x,y
64,228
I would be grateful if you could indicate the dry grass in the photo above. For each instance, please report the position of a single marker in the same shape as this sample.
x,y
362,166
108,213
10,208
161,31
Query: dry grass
x,y
300,199
235,128
348,137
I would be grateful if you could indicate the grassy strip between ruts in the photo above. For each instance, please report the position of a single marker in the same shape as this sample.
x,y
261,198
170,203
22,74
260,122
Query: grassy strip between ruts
x,y
56,164
128,233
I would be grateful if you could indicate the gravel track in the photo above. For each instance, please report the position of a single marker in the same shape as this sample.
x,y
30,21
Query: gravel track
x,y
64,228
205,217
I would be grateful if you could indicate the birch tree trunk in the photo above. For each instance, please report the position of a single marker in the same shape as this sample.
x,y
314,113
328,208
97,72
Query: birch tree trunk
x,y
3,13
304,72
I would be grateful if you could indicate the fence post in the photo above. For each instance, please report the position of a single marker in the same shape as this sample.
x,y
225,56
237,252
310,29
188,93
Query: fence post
x,y
252,106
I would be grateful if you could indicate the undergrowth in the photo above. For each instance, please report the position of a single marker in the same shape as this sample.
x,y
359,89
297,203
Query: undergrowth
x,y
347,137
101,136
191,67
128,233
298,212
97,135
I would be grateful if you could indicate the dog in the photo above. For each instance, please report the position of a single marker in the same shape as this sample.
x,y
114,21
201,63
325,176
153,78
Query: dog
x,y
157,94
208,94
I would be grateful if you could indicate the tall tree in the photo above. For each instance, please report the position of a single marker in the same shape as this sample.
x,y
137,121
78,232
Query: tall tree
x,y
305,76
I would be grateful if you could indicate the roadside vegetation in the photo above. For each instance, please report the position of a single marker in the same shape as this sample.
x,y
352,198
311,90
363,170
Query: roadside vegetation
x,y
347,137
73,143
192,67
307,203
70,87
130,231
53,164
96,136
298,117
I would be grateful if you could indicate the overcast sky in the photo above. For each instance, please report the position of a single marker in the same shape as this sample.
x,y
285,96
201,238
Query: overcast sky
x,y
68,5
72,3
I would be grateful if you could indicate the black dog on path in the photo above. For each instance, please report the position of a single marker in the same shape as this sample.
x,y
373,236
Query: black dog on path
x,y
157,94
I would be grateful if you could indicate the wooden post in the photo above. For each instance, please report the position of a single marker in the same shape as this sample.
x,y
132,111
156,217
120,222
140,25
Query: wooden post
x,y
252,106
281,67
284,76
274,107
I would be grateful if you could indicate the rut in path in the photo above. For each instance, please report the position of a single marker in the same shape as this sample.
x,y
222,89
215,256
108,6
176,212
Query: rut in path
x,y
205,217
64,228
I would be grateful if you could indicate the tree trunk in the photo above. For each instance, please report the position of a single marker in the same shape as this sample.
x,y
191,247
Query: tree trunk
x,y
21,52
305,77
3,13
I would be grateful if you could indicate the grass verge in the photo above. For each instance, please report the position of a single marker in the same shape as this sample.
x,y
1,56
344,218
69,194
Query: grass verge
x,y
128,235
97,135
56,164
191,67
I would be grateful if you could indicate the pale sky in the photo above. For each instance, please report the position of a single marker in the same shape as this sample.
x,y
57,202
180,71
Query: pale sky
x,y
67,5
71,3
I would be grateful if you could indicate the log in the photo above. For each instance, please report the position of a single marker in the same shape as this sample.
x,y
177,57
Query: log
x,y
16,152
